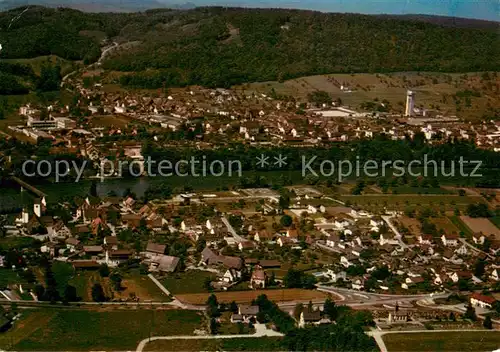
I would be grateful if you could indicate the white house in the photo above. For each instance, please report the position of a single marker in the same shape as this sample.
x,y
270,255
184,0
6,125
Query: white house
x,y
425,239
231,276
385,239
478,238
332,240
336,275
358,284
462,250
479,300
449,240
495,274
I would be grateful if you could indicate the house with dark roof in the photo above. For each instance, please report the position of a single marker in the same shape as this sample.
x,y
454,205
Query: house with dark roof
x,y
248,312
154,248
118,256
307,318
258,278
111,242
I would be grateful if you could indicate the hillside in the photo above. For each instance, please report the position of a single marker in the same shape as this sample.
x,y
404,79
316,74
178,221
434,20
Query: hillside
x,y
88,5
224,46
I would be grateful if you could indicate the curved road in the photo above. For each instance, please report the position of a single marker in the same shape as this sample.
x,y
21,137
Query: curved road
x,y
103,54
261,331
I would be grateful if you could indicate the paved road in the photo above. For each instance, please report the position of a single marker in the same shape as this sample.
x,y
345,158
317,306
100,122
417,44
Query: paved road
x,y
474,249
361,298
334,200
387,219
260,331
230,228
103,54
106,51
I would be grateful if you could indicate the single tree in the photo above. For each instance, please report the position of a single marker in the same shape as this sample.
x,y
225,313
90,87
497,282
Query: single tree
x,y
98,293
104,270
70,294
488,324
470,313
286,220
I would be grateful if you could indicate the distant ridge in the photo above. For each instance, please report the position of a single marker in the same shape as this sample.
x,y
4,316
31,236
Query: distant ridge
x,y
88,5
221,46
457,22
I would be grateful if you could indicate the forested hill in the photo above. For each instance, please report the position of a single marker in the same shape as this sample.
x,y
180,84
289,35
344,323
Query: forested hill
x,y
223,46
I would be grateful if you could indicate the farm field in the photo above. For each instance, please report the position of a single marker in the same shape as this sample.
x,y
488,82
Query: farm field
x,y
446,225
401,201
418,190
411,224
483,225
460,225
443,341
191,281
278,295
83,330
111,121
240,344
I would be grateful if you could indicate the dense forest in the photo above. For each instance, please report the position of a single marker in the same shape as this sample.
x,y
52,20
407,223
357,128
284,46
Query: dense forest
x,y
18,79
223,46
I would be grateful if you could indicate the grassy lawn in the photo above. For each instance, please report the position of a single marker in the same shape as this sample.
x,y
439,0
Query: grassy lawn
x,y
240,344
228,328
461,226
251,344
83,330
443,341
31,321
8,277
17,242
133,284
191,281
142,287
496,221
83,282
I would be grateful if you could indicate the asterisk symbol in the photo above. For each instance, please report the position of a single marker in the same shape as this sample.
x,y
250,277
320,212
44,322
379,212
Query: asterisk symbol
x,y
280,161
262,160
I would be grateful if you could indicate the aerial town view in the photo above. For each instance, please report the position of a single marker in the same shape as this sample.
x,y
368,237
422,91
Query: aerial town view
x,y
250,176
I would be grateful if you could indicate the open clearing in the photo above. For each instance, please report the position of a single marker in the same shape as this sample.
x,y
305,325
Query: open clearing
x,y
191,281
443,341
411,224
84,330
240,344
481,225
284,295
132,285
432,89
